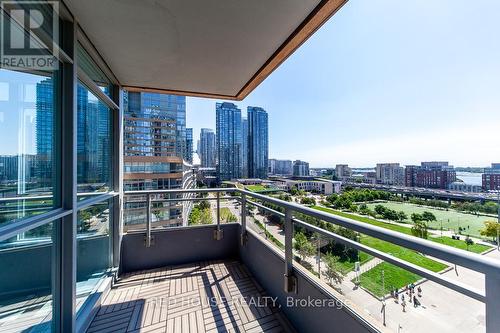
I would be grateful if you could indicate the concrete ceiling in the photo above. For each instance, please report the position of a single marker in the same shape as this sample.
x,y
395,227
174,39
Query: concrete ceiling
x,y
219,48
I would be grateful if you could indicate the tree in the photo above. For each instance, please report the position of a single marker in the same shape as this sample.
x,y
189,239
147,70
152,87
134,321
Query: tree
x,y
468,242
491,229
308,201
84,217
333,270
303,246
380,210
204,204
363,209
200,216
402,216
428,216
419,229
294,191
274,219
416,217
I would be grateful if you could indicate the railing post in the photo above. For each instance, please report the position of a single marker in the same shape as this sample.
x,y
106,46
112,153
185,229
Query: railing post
x,y
148,220
492,284
243,219
218,210
290,281
218,232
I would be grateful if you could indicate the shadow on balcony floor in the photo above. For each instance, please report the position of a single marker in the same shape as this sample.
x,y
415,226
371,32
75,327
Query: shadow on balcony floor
x,y
217,296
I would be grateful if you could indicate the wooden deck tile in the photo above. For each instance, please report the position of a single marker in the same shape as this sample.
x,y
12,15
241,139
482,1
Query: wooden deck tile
x,y
204,297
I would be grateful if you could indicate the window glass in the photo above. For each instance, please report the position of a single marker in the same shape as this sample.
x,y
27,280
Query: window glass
x,y
93,247
94,143
26,281
28,145
90,68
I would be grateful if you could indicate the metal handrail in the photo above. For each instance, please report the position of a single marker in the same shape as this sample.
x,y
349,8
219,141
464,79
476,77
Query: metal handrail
x,y
476,262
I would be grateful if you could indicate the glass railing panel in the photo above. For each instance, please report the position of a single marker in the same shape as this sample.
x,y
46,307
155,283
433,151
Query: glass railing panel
x,y
93,248
26,281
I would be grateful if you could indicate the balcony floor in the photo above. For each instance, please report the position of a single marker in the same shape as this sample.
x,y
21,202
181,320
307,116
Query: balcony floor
x,y
204,297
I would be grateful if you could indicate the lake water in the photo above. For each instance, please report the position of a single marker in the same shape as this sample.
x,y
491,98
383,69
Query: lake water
x,y
473,178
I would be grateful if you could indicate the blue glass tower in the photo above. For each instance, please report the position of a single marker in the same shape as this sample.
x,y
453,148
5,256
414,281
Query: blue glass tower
x,y
244,135
258,142
45,139
229,141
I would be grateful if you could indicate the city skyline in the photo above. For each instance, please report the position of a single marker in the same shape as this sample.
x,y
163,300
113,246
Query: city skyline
x,y
404,85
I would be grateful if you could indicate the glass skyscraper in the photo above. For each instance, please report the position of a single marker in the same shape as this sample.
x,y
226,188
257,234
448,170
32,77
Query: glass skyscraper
x,y
93,137
155,146
229,141
244,134
188,155
45,139
207,149
154,140
258,142
93,141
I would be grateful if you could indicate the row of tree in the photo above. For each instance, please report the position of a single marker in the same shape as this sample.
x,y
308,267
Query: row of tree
x,y
350,196
201,214
488,207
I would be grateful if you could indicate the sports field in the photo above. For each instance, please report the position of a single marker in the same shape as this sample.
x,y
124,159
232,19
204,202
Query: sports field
x,y
450,219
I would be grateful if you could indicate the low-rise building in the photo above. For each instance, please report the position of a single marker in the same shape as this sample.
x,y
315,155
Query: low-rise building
x,y
390,174
491,178
325,187
342,171
464,187
430,175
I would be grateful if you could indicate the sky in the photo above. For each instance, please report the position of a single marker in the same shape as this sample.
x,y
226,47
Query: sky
x,y
386,81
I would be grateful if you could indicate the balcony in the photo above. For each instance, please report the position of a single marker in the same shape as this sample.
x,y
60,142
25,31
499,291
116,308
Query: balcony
x,y
78,253
231,262
226,276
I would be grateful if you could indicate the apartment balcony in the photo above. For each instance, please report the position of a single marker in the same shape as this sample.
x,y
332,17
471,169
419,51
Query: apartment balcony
x,y
223,276
80,254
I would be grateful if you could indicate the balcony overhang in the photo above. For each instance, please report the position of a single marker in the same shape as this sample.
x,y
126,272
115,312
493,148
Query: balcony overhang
x,y
221,49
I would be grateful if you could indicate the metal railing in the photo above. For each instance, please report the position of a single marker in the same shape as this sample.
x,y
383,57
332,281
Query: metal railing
x,y
488,266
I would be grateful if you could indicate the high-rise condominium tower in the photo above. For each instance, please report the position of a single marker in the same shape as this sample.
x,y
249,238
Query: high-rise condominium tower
x,y
154,149
244,154
258,142
229,141
188,155
207,149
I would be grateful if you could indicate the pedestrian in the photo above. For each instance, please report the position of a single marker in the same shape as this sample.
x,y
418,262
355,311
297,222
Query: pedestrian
x,y
415,301
403,304
419,291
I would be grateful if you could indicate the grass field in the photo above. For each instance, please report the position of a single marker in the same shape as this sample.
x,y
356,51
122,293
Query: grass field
x,y
348,266
403,253
390,226
451,219
227,216
394,277
256,188
459,244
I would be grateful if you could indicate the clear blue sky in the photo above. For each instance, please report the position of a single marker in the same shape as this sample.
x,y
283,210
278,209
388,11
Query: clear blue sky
x,y
385,81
